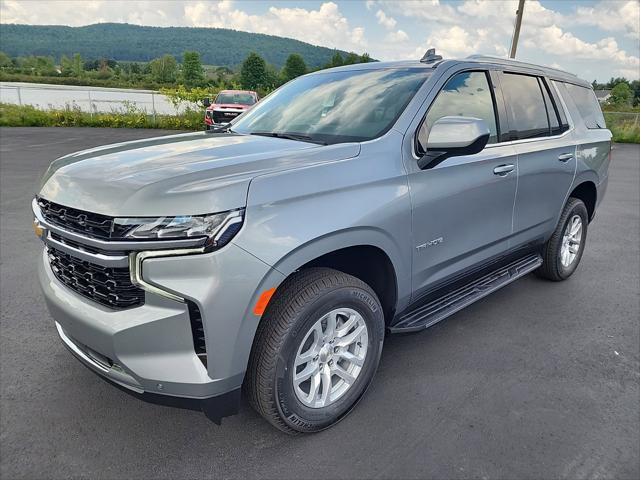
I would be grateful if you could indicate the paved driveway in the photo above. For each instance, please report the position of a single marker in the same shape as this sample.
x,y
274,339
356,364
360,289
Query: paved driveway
x,y
539,380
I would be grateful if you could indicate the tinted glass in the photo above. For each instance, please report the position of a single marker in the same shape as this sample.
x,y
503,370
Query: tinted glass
x,y
587,104
465,95
563,117
237,98
526,105
338,106
551,110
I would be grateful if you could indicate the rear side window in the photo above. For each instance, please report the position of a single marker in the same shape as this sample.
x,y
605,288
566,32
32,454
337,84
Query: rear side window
x,y
526,105
587,104
552,112
466,94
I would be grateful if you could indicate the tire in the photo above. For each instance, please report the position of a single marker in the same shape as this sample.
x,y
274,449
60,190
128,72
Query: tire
x,y
554,266
299,305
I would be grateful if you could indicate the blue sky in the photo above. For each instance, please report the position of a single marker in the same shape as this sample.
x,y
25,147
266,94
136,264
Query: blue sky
x,y
594,39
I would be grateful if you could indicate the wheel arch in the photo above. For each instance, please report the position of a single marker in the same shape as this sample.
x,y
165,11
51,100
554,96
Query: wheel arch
x,y
368,254
586,191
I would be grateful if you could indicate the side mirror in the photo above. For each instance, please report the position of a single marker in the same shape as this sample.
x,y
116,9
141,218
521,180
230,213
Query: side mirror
x,y
206,102
452,137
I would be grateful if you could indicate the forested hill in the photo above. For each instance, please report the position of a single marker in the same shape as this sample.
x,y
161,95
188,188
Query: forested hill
x,y
122,41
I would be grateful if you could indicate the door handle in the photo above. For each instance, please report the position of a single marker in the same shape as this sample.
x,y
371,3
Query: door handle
x,y
565,157
503,170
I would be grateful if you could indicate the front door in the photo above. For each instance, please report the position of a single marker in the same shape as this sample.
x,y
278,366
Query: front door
x,y
462,207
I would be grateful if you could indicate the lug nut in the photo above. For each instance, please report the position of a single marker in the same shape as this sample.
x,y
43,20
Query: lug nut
x,y
315,359
335,349
330,363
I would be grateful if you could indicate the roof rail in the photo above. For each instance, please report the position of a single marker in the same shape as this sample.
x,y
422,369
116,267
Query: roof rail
x,y
509,61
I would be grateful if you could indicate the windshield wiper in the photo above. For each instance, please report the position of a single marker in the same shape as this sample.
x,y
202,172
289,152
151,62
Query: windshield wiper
x,y
290,136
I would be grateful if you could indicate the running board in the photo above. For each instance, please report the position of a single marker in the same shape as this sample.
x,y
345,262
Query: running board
x,y
430,313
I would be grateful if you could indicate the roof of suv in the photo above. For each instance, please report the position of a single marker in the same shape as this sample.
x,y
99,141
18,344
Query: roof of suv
x,y
479,59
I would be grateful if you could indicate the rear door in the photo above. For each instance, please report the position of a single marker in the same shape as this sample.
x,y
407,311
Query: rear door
x,y
545,145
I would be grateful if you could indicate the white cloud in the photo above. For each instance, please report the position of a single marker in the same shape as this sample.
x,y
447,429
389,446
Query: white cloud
x,y
431,10
486,26
613,16
387,22
396,37
326,26
554,40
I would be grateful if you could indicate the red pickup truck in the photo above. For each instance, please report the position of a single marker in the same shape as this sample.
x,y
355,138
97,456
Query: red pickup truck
x,y
227,105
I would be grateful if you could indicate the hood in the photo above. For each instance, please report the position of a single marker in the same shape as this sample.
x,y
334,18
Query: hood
x,y
186,174
238,106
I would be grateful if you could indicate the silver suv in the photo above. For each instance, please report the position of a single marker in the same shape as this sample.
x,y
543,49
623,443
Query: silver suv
x,y
271,255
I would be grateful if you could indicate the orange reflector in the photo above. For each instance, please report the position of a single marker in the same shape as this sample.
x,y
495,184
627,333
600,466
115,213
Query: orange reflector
x,y
37,228
263,301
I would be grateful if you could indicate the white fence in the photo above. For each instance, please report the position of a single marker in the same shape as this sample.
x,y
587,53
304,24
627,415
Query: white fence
x,y
88,99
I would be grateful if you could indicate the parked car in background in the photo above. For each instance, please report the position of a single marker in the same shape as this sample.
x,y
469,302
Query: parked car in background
x,y
277,252
227,105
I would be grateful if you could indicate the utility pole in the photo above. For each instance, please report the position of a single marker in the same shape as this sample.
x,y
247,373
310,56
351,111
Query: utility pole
x,y
516,29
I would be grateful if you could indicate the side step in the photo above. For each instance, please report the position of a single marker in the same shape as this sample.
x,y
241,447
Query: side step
x,y
432,312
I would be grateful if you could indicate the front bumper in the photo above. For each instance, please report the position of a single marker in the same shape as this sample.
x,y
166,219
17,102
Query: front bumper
x,y
148,350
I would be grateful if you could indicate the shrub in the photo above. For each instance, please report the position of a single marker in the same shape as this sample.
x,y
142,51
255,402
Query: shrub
x,y
72,116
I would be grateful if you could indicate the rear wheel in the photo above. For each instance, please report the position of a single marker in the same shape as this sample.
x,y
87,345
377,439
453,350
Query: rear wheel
x,y
563,251
316,350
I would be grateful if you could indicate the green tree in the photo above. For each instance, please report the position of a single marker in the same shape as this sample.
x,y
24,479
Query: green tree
x,y
336,60
352,58
164,69
39,65
72,67
253,74
635,86
192,71
294,67
615,81
365,58
621,95
104,70
5,60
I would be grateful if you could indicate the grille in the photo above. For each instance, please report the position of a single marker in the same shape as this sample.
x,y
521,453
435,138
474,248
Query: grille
x,y
85,247
107,286
223,117
91,224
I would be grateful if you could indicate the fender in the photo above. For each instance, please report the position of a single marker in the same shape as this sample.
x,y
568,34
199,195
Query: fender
x,y
352,237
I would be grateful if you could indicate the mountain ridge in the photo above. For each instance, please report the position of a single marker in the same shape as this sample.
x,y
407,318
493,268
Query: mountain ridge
x,y
217,46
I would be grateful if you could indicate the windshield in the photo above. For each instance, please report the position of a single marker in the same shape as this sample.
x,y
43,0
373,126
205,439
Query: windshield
x,y
237,98
335,107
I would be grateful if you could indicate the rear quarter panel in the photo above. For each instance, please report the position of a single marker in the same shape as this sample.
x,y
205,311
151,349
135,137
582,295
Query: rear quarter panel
x,y
593,147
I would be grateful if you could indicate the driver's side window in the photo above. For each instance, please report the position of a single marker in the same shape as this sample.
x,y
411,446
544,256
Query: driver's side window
x,y
467,94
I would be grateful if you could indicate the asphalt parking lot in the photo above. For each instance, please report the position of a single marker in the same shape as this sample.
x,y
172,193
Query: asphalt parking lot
x,y
539,380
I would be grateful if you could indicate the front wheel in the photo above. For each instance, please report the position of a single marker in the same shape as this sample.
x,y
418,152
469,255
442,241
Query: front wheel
x,y
563,251
316,350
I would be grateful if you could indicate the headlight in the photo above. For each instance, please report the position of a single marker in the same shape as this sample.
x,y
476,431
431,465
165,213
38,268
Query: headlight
x,y
217,228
